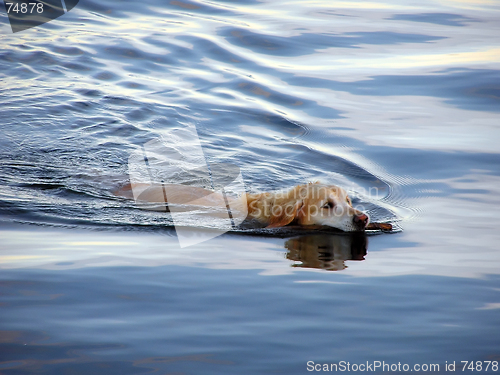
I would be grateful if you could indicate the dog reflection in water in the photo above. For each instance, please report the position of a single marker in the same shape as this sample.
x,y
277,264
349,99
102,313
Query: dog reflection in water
x,y
326,251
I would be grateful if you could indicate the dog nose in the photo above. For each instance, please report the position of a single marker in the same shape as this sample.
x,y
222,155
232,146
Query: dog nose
x,y
361,220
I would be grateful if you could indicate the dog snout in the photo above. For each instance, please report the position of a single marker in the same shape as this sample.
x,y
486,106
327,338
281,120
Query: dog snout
x,y
361,220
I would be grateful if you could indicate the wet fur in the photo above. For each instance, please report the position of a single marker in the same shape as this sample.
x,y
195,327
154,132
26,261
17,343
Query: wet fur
x,y
302,205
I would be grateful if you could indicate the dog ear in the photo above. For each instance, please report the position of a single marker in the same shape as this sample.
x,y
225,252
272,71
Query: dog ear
x,y
286,216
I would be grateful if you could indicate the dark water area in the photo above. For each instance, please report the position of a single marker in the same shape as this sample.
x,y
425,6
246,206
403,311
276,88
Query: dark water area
x,y
397,103
211,333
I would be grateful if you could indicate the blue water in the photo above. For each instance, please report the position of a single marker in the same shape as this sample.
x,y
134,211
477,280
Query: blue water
x,y
397,103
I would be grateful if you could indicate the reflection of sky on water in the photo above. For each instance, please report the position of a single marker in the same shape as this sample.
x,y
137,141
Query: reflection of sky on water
x,y
446,253
353,91
401,97
311,69
436,18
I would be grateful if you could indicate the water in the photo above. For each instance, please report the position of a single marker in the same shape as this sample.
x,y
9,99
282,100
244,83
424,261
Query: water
x,y
398,103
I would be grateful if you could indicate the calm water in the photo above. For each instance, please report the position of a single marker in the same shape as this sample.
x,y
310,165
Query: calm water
x,y
398,103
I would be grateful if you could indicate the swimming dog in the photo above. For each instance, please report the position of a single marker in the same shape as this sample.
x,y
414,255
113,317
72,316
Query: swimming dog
x,y
303,205
309,204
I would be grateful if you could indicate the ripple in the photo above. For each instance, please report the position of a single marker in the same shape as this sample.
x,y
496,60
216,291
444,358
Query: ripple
x,y
448,19
308,43
272,96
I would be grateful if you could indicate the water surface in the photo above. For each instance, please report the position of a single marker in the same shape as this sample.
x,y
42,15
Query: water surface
x,y
398,103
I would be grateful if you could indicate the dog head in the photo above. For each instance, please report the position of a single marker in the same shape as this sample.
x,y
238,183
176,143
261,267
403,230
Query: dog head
x,y
318,204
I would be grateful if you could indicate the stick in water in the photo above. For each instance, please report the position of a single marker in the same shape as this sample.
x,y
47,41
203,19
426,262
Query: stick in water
x,y
381,226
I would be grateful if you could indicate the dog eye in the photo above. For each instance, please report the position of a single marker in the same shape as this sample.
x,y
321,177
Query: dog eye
x,y
328,205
